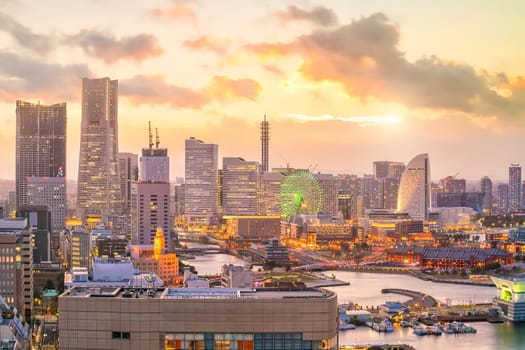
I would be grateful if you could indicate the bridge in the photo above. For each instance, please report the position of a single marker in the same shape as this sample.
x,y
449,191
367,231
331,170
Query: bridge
x,y
202,250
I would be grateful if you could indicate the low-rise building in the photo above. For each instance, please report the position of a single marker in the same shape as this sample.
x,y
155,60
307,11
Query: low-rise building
x,y
200,318
448,257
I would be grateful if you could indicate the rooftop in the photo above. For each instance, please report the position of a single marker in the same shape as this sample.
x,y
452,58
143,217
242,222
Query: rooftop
x,y
198,293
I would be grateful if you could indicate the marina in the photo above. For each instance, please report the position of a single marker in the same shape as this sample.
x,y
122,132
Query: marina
x,y
364,289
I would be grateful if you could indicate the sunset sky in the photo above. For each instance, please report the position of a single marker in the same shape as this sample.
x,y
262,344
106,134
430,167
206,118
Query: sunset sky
x,y
343,83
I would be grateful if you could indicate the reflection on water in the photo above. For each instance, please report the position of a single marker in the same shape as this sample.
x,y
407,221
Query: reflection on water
x,y
365,289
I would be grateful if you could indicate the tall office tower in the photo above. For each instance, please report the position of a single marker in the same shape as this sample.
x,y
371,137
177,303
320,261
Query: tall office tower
x,y
154,162
40,144
265,140
80,247
239,186
486,189
128,169
502,203
385,168
16,254
49,191
452,185
201,173
98,193
150,196
39,218
514,187
328,184
371,192
270,193
389,190
414,189
178,198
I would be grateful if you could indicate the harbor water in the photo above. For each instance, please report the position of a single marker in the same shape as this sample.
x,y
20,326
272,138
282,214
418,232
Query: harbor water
x,y
365,290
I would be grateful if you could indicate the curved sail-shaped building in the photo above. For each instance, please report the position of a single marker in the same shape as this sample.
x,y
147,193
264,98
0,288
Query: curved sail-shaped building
x,y
414,188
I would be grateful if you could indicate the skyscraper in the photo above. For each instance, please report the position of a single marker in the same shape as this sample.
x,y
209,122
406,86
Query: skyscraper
x,y
383,169
98,192
150,196
452,185
128,168
486,189
328,184
265,139
502,203
514,187
51,192
239,186
154,161
40,144
269,193
201,173
414,189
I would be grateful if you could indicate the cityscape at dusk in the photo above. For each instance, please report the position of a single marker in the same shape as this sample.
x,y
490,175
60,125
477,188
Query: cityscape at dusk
x,y
262,175
343,83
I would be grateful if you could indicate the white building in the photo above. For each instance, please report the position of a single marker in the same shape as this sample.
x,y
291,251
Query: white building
x,y
414,189
116,270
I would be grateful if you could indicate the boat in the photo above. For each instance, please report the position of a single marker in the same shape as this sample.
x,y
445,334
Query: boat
x,y
381,326
343,326
418,330
404,324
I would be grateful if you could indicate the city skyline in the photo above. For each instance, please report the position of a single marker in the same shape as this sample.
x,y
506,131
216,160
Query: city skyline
x,y
343,84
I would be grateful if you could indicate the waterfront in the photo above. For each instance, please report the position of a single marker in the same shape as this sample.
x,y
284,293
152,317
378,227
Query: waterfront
x,y
365,289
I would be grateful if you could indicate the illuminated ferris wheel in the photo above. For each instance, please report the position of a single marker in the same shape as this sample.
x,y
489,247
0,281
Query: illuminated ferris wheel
x,y
300,193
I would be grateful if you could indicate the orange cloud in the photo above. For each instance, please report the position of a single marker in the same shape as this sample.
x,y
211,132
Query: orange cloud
x,y
152,89
319,15
176,11
364,58
110,49
206,43
223,88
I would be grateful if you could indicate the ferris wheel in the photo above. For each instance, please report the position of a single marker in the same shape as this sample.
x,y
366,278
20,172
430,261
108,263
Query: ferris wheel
x,y
300,193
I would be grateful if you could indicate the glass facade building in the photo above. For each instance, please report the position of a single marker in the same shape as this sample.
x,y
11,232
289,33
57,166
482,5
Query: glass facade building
x,y
99,193
414,189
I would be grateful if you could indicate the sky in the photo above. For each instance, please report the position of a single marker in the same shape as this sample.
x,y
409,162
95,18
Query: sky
x,y
342,83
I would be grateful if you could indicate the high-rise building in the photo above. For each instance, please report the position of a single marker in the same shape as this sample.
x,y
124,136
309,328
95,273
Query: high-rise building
x,y
265,140
128,167
389,190
486,189
328,184
80,247
40,144
502,203
269,193
452,185
39,218
150,202
201,174
49,191
383,169
514,187
16,254
98,193
150,195
239,186
414,189
154,162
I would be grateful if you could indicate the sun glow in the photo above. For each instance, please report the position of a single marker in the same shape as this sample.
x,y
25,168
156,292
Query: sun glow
x,y
359,120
